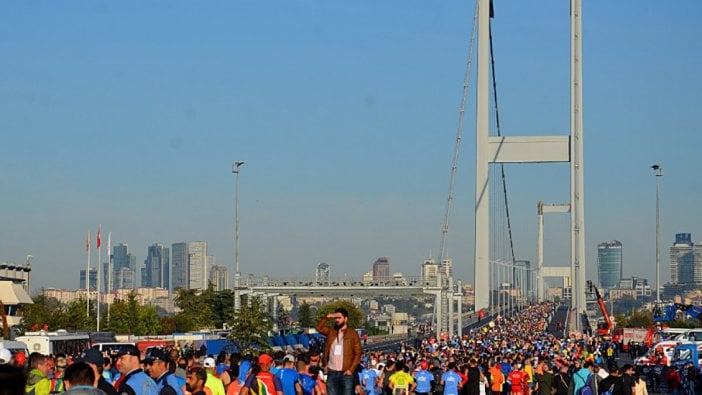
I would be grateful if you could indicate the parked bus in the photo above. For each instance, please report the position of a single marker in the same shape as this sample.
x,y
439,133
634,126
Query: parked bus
x,y
52,343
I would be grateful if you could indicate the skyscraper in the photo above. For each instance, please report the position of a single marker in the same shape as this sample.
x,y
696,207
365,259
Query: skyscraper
x,y
381,269
92,279
683,269
609,263
198,265
123,267
156,271
218,277
180,266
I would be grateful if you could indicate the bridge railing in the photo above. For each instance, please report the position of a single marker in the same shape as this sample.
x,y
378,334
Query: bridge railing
x,y
339,282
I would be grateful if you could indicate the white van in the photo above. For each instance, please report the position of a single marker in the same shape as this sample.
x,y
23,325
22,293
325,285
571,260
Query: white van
x,y
14,346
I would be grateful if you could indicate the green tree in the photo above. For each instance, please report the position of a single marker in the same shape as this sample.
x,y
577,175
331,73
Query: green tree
x,y
304,316
283,319
122,318
150,323
194,310
127,316
251,325
74,317
168,325
356,315
221,304
43,311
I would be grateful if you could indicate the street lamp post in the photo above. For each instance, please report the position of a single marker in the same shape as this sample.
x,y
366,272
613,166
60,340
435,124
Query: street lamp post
x,y
237,274
658,171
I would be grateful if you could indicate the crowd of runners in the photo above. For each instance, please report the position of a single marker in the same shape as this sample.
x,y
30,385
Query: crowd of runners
x,y
508,356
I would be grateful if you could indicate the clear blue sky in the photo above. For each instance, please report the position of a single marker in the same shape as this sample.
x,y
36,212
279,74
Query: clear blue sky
x,y
130,114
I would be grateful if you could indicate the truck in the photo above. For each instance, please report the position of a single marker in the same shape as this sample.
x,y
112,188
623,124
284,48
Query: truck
x,y
662,352
636,335
687,352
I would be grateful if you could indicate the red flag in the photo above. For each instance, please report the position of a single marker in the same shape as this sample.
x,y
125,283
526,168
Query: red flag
x,y
87,242
98,238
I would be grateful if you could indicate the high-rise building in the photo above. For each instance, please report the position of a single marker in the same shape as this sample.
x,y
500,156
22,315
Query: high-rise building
x,y
156,271
430,271
682,261
180,266
92,279
447,266
381,269
609,263
123,261
321,274
124,279
198,265
218,277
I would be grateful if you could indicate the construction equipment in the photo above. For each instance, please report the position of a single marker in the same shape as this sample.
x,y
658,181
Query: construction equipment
x,y
669,312
605,327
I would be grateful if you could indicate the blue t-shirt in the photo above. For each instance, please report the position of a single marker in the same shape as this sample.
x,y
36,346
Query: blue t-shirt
x,y
370,377
307,383
288,377
423,379
451,380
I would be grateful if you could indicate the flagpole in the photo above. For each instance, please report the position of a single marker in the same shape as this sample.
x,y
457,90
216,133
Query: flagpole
x,y
109,275
87,278
99,272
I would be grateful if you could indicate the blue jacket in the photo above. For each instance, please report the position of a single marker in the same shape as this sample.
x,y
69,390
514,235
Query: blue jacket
x,y
138,383
168,384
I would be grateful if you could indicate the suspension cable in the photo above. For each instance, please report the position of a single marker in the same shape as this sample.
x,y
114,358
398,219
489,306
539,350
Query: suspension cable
x,y
459,134
499,133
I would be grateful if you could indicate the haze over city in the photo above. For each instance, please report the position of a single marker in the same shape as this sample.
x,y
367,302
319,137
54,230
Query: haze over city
x,y
130,115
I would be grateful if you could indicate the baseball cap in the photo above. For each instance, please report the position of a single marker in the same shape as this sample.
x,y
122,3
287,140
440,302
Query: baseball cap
x,y
5,356
91,355
128,350
425,364
289,358
264,359
154,354
209,362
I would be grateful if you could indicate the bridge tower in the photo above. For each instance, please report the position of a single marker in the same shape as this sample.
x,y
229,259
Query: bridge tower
x,y
529,149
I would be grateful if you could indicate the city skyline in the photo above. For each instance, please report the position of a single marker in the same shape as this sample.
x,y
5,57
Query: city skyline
x,y
131,116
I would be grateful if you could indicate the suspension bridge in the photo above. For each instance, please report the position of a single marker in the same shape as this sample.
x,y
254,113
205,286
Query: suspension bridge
x,y
495,258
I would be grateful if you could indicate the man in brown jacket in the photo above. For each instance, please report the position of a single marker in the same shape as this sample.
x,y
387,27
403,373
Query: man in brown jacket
x,y
342,352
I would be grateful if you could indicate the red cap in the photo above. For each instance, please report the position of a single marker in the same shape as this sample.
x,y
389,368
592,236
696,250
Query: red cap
x,y
425,364
264,359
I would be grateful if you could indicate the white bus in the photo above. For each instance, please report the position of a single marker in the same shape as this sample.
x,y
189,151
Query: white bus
x,y
52,343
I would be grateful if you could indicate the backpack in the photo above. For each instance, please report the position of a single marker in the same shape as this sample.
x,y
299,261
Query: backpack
x,y
585,389
609,391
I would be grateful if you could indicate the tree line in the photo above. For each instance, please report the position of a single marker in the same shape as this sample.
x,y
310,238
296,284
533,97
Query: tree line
x,y
196,310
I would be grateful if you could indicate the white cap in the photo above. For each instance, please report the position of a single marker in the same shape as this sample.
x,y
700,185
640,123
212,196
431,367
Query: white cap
x,y
5,356
289,358
209,362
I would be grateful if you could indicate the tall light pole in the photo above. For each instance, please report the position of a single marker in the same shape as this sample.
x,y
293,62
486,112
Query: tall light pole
x,y
658,171
237,274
